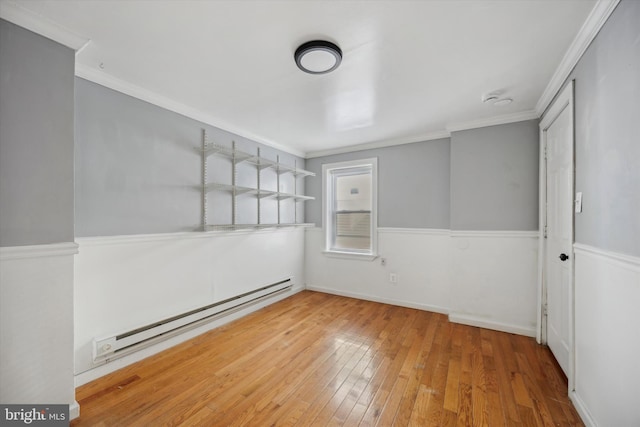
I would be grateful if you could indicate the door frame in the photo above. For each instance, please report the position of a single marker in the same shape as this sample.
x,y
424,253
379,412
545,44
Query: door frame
x,y
563,101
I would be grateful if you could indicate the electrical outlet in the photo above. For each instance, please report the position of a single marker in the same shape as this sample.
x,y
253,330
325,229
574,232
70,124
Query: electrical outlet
x,y
383,262
393,278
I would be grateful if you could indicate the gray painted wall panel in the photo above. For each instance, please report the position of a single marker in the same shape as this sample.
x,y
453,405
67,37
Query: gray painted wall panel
x,y
138,169
607,134
413,184
36,139
494,177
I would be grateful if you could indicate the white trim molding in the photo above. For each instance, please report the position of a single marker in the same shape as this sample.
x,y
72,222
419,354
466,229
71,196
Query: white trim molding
x,y
493,121
13,12
495,233
98,76
596,19
466,319
146,238
451,233
432,136
428,231
38,251
390,301
564,100
622,260
580,406
74,410
350,256
330,173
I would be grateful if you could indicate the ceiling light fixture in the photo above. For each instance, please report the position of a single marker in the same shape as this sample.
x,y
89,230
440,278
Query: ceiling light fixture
x,y
318,57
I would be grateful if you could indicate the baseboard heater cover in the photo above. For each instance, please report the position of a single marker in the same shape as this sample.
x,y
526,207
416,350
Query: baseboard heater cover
x,y
119,345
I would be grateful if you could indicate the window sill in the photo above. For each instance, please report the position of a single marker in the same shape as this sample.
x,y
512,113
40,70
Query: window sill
x,y
350,255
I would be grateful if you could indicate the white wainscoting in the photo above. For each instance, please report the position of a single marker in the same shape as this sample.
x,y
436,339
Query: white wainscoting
x,y
607,337
36,325
126,282
494,280
417,258
485,279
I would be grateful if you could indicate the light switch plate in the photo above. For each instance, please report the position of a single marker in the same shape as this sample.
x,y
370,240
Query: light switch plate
x,y
578,202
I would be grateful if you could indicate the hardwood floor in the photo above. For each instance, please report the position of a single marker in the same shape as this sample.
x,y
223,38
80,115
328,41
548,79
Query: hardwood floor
x,y
318,359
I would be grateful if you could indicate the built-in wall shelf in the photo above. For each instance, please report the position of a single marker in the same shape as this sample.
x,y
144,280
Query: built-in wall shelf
x,y
215,186
237,157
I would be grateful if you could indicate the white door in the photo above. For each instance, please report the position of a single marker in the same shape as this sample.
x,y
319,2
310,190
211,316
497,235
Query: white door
x,y
557,134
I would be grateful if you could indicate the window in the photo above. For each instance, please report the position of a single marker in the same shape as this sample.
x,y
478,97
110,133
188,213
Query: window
x,y
349,207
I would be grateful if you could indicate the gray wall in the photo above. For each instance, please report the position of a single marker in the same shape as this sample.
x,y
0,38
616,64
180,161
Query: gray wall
x,y
480,179
413,184
607,134
494,177
138,169
36,139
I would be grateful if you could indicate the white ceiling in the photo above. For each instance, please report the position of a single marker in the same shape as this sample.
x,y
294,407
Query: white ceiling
x,y
410,69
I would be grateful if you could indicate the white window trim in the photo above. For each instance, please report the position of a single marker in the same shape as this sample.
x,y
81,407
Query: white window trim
x,y
369,256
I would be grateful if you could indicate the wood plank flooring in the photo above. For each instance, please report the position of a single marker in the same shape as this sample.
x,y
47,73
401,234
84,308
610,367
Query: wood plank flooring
x,y
323,360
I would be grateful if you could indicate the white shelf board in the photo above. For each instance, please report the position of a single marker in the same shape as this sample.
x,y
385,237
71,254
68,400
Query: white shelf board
x,y
230,188
261,162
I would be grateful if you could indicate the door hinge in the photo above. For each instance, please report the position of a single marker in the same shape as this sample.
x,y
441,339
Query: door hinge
x,y
544,310
545,231
545,153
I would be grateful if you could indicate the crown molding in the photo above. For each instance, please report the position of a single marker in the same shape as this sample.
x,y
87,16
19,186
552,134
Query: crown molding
x,y
594,22
12,12
379,144
98,76
455,127
493,121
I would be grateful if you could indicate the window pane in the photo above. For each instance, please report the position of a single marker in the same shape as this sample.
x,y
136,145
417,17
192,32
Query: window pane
x,y
352,210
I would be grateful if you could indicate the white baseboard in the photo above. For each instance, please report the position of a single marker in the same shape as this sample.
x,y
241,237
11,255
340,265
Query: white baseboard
x,y
74,410
584,413
399,303
453,317
489,324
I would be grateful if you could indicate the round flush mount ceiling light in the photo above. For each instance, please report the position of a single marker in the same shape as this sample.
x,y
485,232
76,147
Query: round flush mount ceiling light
x,y
318,57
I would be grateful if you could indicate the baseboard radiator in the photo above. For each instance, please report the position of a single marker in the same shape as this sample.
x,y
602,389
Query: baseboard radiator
x,y
119,345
